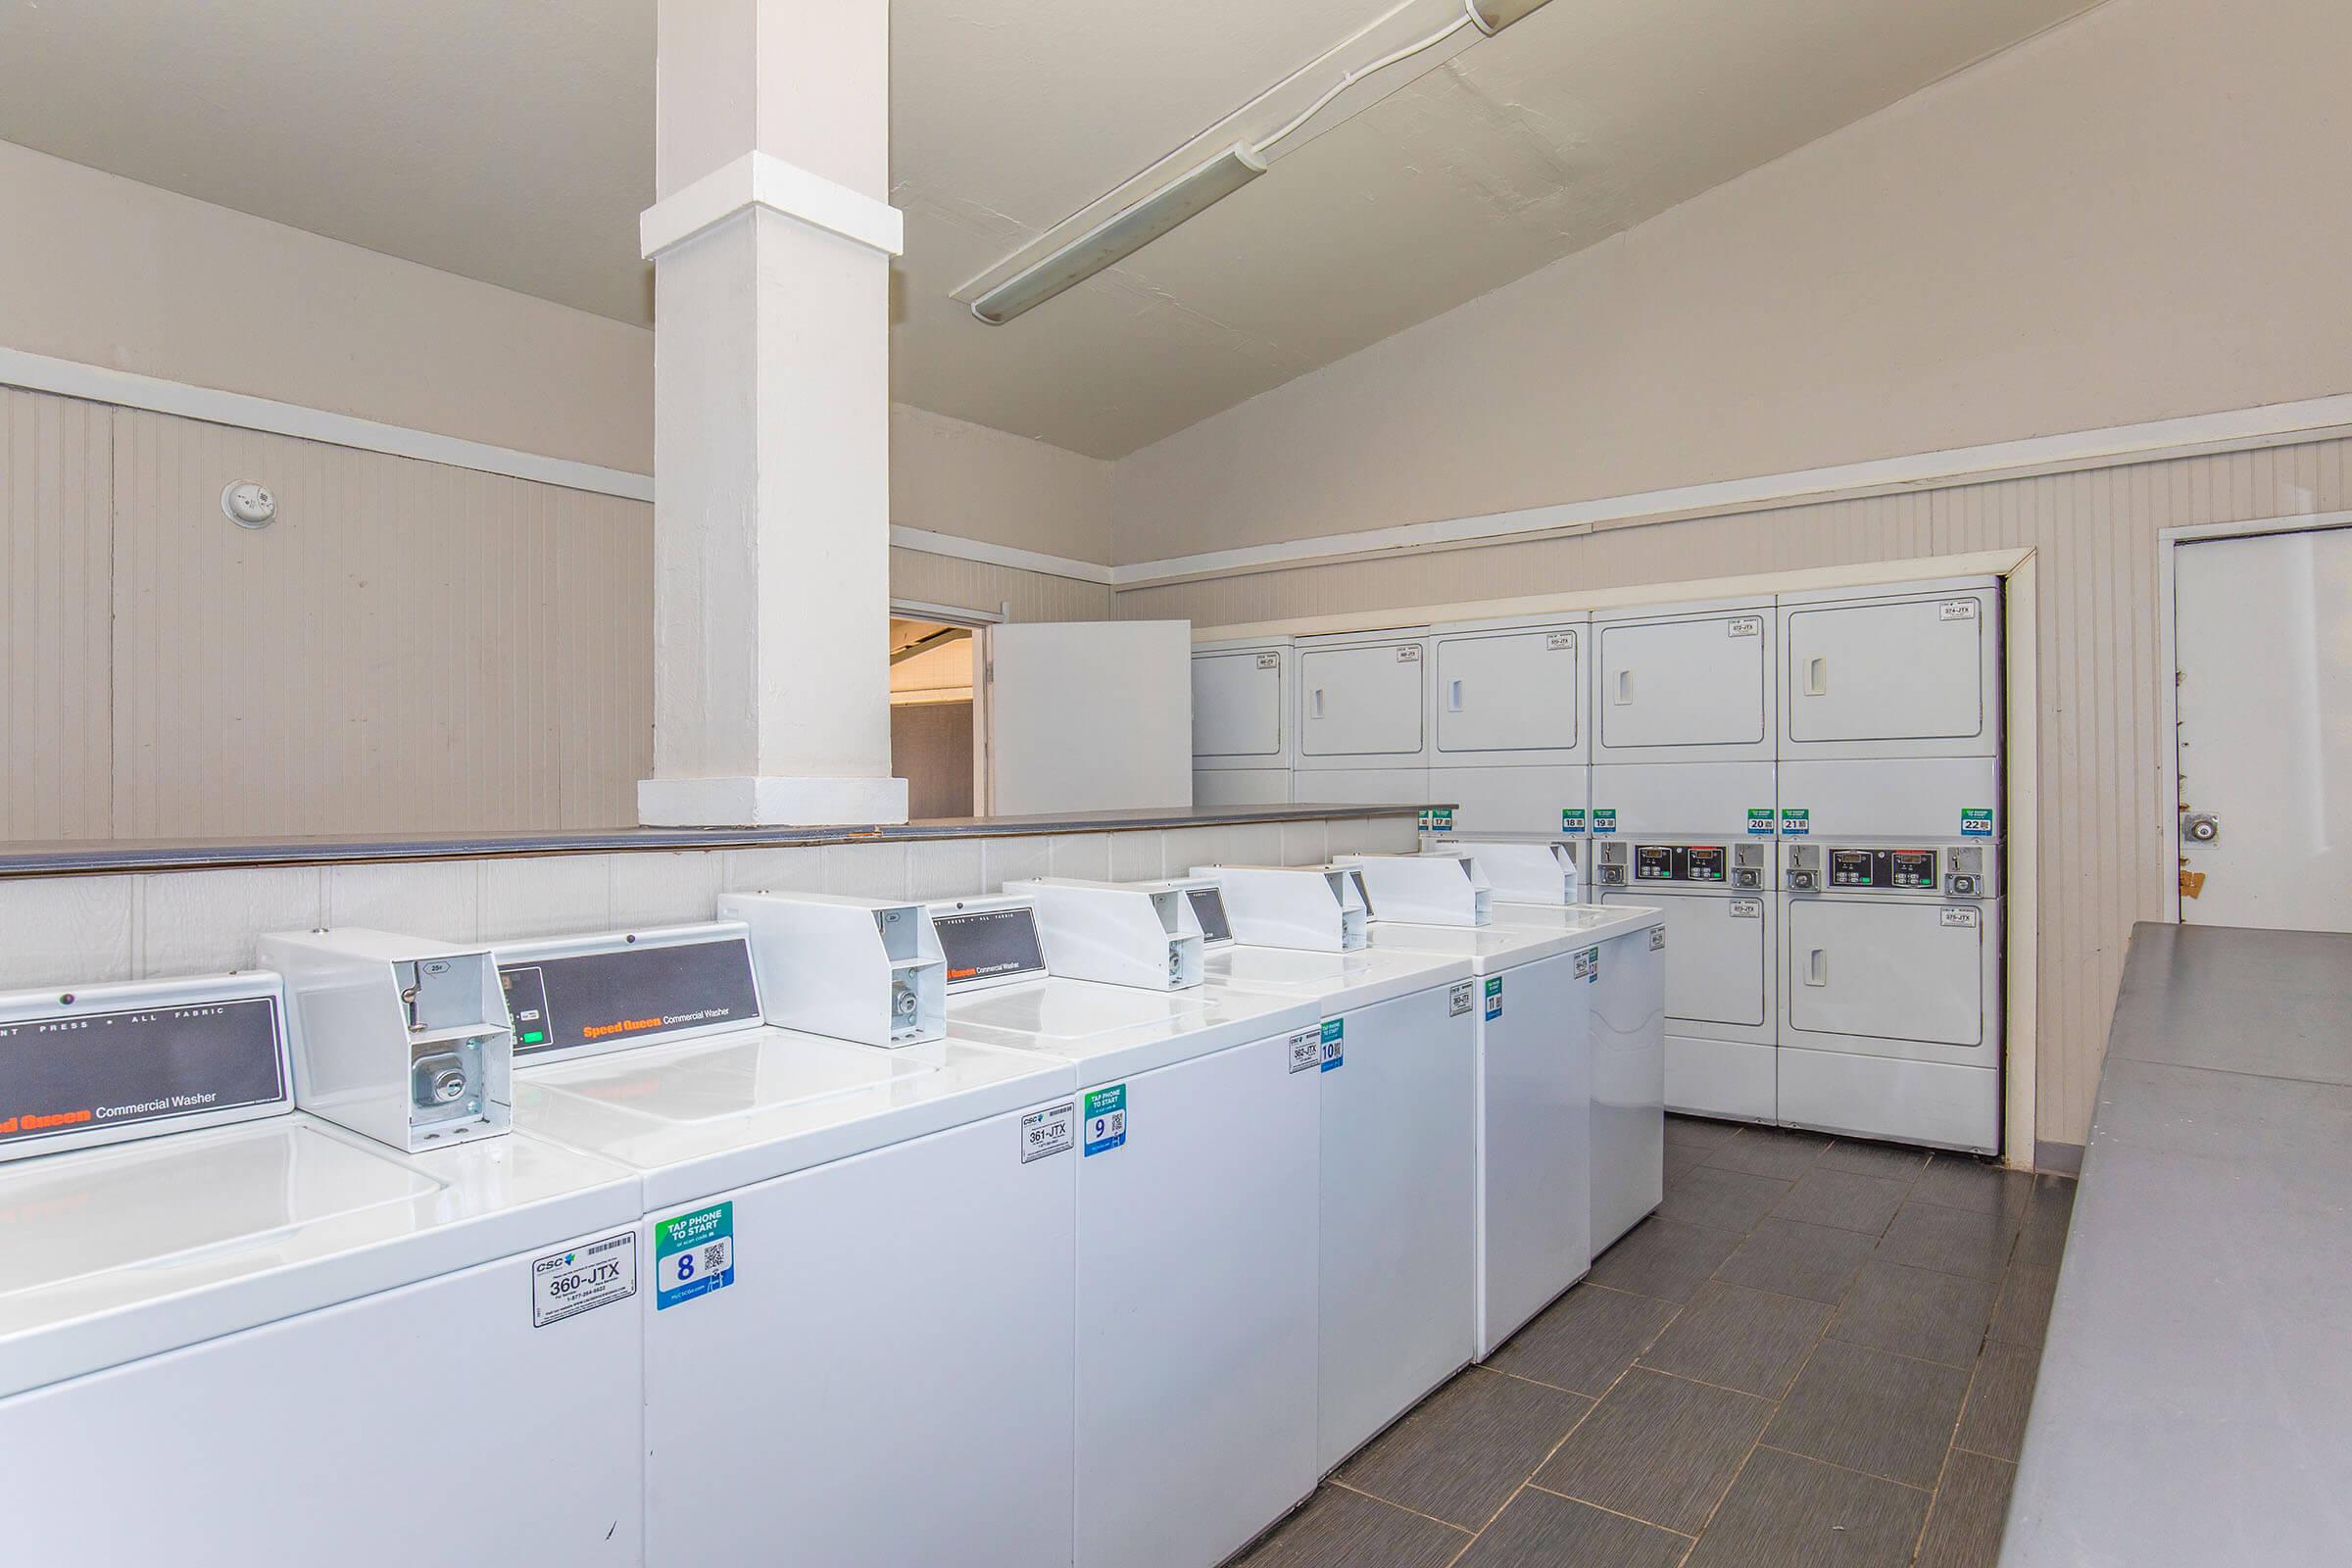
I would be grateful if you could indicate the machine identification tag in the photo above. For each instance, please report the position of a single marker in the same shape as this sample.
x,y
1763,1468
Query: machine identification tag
x,y
1493,997
1458,1000
1269,661
1411,653
1759,820
1593,960
1306,1050
1796,822
1746,626
1657,939
1960,917
1560,641
1605,820
1957,609
566,1284
1439,821
1105,1119
1583,963
1049,1129
1747,909
1976,824
1335,1042
1572,819
694,1255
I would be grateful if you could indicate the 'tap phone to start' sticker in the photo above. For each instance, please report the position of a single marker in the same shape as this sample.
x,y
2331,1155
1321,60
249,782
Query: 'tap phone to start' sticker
x,y
694,1255
1335,1042
1493,997
1105,1119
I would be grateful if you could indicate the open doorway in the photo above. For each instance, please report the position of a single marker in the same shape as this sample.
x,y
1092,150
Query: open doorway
x,y
931,722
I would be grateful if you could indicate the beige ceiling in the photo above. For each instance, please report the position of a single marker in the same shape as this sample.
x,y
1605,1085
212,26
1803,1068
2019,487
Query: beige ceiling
x,y
512,143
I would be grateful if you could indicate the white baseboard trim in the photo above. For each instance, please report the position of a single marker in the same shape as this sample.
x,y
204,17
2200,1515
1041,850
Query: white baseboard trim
x,y
38,372
2270,425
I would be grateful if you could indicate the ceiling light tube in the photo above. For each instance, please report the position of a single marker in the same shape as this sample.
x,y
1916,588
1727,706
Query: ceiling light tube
x,y
1119,235
1493,15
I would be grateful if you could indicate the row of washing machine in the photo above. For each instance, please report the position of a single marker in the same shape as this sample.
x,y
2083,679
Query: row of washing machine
x,y
831,1232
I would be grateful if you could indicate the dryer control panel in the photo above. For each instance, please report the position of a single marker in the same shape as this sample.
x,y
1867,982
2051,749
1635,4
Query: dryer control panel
x,y
1734,864
1948,870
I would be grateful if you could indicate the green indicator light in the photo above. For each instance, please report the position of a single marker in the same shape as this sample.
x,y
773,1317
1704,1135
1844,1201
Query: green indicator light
x,y
537,1037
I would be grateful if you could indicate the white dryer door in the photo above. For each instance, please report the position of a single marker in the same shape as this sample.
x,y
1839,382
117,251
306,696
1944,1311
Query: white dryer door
x,y
1237,704
1508,691
1683,683
1361,702
1719,956
1887,970
1901,671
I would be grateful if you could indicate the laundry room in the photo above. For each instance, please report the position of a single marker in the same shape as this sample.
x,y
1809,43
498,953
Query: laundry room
x,y
1440,783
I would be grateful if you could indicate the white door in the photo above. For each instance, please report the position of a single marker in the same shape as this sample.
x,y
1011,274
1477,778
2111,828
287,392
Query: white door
x,y
1364,701
1237,707
1915,669
1088,716
2263,630
1508,692
1719,982
1699,686
1873,970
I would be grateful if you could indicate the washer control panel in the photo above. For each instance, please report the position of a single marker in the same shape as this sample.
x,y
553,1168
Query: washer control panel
x,y
1948,870
1735,864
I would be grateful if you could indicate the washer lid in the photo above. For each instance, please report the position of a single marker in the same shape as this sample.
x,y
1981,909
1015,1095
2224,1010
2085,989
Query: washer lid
x,y
700,1117
1586,923
1491,949
1113,1031
1339,982
118,1252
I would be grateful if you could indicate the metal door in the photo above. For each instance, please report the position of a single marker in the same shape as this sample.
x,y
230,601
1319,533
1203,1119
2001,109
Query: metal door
x,y
1915,670
1237,705
2263,638
1696,686
1361,701
1509,691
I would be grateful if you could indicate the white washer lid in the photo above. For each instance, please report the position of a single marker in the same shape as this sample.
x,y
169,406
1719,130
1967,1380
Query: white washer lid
x,y
1340,982
1491,949
702,1116
1586,922
1113,1032
124,1251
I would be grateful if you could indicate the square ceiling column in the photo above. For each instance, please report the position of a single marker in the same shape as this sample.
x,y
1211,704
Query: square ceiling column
x,y
771,243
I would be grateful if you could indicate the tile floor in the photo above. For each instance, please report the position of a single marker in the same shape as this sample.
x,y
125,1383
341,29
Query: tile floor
x,y
1816,1353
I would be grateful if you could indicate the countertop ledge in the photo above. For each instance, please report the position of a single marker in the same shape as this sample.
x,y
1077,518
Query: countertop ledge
x,y
114,856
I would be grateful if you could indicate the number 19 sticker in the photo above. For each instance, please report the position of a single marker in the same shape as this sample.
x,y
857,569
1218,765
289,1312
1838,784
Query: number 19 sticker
x,y
694,1255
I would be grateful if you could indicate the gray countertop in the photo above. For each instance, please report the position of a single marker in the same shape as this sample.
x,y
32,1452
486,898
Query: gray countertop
x,y
127,854
2195,1404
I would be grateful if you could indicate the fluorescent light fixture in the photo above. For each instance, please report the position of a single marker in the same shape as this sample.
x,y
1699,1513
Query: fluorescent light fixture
x,y
1119,235
1493,15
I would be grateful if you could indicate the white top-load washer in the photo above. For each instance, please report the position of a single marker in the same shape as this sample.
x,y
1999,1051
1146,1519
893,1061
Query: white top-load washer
x,y
232,1331
1196,1221
1534,1097
858,1260
1397,1274
1622,965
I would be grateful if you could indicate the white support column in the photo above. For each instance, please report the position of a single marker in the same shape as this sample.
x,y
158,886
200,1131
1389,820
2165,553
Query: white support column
x,y
772,241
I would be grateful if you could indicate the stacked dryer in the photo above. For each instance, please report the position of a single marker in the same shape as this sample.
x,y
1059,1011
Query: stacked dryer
x,y
1684,817
1245,736
1512,757
1890,861
1364,719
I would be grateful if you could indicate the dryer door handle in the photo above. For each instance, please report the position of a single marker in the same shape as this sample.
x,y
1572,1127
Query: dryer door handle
x,y
1314,704
1817,677
1453,698
1625,688
1817,967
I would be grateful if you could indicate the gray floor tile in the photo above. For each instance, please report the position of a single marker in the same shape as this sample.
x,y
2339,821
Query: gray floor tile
x,y
1661,1258
2023,1315
2041,1240
1696,1132
1770,1151
1679,1161
1541,1530
1994,1422
1815,1261
1949,1241
1659,1448
1914,1311
1972,1504
1338,1529
1791,1513
1961,1181
1845,1199
1467,1447
1740,1339
1887,1415
1725,1199
1584,1340
1874,1159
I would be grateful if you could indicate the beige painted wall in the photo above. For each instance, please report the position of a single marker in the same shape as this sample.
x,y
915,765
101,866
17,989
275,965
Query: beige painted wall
x,y
2132,217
